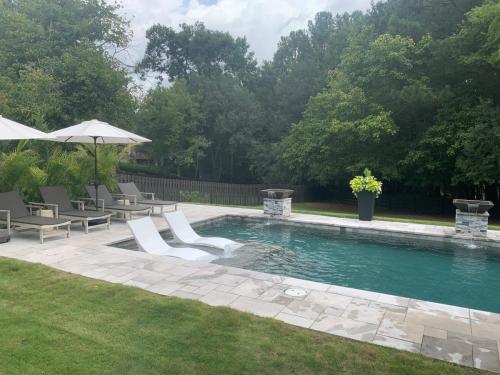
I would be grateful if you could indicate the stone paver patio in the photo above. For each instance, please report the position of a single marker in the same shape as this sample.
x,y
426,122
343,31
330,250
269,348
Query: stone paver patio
x,y
455,334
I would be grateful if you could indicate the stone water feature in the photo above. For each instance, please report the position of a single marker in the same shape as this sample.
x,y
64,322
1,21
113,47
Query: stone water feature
x,y
277,202
472,217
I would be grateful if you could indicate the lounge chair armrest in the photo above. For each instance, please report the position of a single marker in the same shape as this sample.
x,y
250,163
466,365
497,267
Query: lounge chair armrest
x,y
7,219
101,201
50,206
80,204
151,195
133,198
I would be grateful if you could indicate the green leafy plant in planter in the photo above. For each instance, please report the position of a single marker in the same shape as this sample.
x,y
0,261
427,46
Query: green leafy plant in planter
x,y
367,182
366,188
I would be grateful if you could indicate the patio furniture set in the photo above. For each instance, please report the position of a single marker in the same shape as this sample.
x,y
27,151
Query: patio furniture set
x,y
131,201
15,214
64,211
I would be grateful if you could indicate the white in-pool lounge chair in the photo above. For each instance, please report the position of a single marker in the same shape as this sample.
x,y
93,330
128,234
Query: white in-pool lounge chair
x,y
183,232
149,240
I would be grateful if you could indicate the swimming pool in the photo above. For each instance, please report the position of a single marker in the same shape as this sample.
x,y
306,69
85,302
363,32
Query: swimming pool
x,y
441,272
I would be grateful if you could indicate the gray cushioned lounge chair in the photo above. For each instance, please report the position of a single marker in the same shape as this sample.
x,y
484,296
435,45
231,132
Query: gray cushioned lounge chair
x,y
14,213
4,237
55,197
130,189
107,202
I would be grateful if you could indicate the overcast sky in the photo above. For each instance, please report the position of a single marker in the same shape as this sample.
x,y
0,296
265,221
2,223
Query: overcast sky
x,y
263,22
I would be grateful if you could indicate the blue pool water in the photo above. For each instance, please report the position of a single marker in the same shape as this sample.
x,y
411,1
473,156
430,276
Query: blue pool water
x,y
446,273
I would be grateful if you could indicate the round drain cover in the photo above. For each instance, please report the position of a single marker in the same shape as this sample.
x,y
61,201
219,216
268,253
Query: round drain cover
x,y
295,292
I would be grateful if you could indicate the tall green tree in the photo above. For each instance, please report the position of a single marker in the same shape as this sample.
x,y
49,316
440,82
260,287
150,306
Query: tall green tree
x,y
219,72
91,85
439,18
413,98
232,123
56,66
196,50
342,132
300,65
172,117
374,99
459,150
481,34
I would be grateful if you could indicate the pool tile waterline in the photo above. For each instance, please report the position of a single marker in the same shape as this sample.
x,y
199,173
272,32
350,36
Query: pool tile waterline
x,y
450,333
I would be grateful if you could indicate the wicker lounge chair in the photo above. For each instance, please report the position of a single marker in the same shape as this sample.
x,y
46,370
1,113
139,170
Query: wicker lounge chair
x,y
107,201
130,189
56,198
15,213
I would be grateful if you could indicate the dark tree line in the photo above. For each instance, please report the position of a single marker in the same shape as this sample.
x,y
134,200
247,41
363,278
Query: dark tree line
x,y
409,89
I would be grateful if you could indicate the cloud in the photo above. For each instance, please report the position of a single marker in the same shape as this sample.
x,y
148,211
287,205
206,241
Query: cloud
x,y
262,22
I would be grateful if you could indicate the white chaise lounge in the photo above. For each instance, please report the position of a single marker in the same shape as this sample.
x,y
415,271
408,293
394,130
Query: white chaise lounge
x,y
183,232
149,240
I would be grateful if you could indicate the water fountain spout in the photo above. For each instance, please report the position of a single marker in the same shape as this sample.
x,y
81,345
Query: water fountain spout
x,y
277,202
472,217
474,207
465,205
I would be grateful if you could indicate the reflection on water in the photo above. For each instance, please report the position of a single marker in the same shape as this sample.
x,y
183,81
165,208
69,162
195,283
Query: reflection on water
x,y
255,254
446,273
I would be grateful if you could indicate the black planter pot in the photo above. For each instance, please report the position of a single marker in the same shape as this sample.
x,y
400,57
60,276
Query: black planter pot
x,y
366,205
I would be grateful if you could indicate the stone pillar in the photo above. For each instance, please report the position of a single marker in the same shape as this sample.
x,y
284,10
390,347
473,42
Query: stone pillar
x,y
471,223
278,207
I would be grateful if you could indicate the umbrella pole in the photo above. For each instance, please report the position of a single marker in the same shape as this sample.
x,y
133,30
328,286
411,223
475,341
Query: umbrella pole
x,y
96,183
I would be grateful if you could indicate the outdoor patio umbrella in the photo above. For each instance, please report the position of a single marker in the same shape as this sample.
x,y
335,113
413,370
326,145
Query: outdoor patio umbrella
x,y
96,132
11,130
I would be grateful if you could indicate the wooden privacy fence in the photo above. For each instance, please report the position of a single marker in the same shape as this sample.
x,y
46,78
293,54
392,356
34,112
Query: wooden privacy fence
x,y
205,191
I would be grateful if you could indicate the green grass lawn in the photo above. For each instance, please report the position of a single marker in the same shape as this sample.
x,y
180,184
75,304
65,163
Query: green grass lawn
x,y
326,209
313,209
53,322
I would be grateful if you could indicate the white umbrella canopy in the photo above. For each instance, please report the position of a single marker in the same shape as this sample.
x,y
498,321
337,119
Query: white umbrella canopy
x,y
95,131
11,130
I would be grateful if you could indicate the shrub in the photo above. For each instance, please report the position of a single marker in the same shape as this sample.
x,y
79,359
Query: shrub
x,y
25,170
21,171
151,170
194,197
366,183
74,170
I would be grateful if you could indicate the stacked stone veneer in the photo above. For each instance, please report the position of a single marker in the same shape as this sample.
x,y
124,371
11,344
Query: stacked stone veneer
x,y
471,223
278,207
